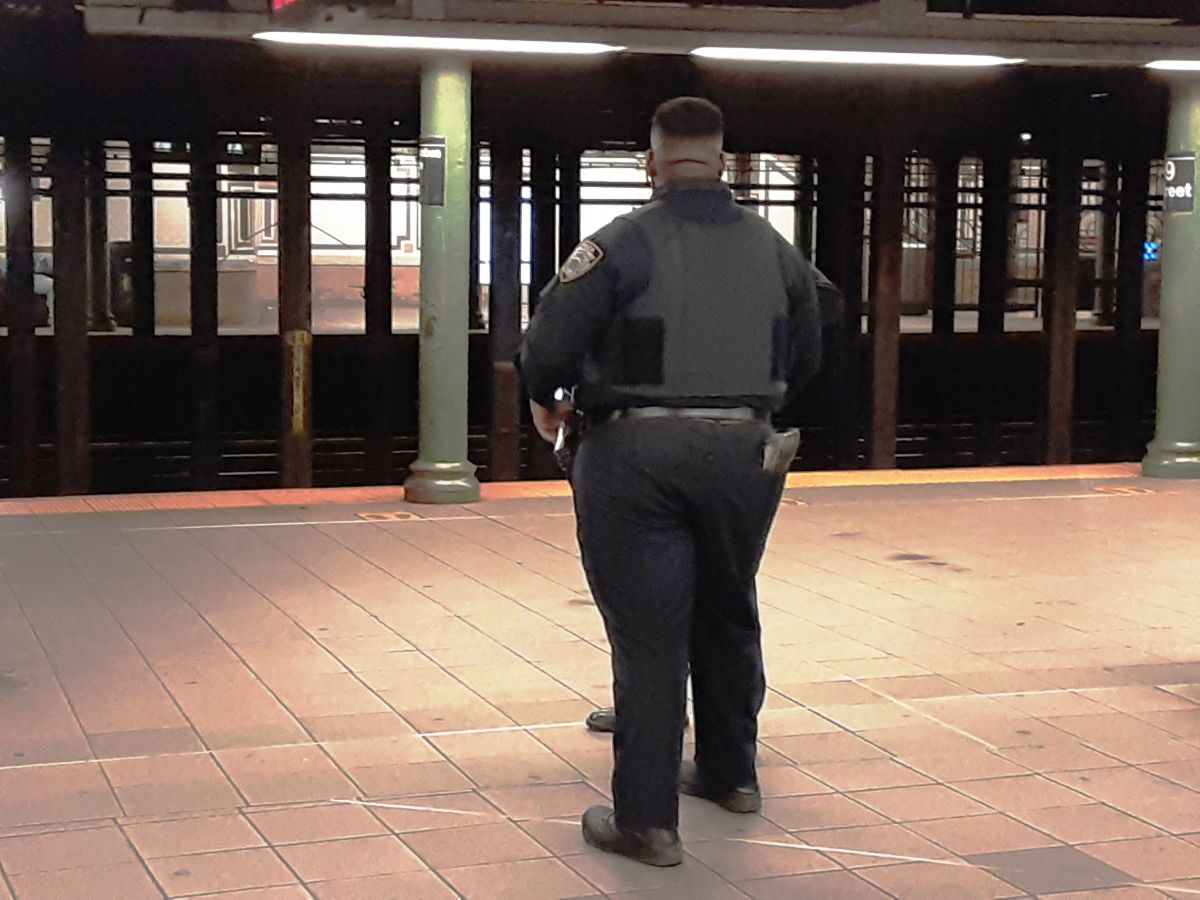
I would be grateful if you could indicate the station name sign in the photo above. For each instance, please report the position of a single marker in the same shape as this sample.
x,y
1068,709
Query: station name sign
x,y
432,153
1180,176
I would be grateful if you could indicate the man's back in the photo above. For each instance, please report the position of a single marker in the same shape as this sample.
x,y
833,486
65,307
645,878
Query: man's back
x,y
705,314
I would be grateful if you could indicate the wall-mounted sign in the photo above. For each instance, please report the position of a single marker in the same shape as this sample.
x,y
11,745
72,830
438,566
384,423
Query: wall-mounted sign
x,y
433,171
1180,194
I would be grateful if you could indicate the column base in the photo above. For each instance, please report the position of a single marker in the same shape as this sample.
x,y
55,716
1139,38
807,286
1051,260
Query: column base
x,y
441,482
1174,460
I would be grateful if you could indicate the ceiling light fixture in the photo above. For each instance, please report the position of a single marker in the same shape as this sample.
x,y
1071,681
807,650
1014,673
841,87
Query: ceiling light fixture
x,y
1175,65
419,42
853,57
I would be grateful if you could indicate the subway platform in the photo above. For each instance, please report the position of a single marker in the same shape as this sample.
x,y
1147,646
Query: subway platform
x,y
984,683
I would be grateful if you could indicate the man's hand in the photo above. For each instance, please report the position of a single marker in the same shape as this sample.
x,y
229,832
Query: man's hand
x,y
546,421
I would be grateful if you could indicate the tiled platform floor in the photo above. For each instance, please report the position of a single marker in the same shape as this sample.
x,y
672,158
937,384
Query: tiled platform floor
x,y
977,690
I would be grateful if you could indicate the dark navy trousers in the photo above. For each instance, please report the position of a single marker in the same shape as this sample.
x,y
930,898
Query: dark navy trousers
x,y
673,518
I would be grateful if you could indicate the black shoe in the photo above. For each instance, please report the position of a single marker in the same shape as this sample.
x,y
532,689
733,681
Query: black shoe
x,y
745,799
602,720
652,846
605,720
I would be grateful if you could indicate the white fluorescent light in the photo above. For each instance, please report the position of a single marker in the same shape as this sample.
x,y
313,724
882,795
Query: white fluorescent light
x,y
853,57
1175,65
418,42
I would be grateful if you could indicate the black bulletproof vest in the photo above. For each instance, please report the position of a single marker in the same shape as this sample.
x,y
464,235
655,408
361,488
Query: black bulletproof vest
x,y
712,321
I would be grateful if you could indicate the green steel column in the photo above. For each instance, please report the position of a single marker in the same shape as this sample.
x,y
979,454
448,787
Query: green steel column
x,y
441,473
1175,450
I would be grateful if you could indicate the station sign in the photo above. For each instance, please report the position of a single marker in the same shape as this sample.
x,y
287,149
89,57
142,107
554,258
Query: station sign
x,y
1179,194
432,155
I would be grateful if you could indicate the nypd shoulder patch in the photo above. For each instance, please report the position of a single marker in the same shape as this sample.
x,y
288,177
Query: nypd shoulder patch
x,y
582,260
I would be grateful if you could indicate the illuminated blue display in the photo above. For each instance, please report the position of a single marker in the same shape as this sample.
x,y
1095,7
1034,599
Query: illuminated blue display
x,y
1150,251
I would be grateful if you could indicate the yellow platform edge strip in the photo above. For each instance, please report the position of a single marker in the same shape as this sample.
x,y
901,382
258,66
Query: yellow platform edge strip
x,y
998,475
869,478
527,490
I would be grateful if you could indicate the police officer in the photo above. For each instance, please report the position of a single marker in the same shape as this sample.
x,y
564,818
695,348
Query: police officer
x,y
680,324
832,304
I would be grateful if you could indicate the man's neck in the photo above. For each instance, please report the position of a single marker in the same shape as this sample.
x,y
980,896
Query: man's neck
x,y
665,186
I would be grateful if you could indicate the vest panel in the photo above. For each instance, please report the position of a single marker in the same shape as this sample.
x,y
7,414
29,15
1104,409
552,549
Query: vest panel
x,y
712,321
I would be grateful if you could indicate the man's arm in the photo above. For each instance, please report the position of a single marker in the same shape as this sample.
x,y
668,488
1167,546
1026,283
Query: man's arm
x,y
804,316
574,310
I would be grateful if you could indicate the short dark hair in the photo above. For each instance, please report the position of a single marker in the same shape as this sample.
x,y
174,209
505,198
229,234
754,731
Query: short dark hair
x,y
688,117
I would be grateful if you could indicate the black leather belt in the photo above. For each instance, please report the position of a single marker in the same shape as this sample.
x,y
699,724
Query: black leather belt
x,y
711,413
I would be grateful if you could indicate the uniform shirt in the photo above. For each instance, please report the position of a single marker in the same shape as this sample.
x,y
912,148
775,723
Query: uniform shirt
x,y
572,317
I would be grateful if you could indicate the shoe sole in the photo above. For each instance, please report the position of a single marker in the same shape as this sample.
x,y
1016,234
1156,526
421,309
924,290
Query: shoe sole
x,y
734,804
661,862
605,729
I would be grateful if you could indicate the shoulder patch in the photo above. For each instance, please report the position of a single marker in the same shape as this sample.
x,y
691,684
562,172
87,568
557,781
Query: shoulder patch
x,y
582,260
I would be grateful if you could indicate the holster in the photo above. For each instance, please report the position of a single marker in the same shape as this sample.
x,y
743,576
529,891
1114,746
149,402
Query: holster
x,y
567,442
780,449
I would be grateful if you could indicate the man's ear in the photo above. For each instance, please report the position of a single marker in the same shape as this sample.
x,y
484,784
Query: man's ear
x,y
724,163
651,165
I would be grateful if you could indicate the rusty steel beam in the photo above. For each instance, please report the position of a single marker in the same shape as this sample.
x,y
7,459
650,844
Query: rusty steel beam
x,y
202,201
543,198
1063,189
377,289
993,294
295,308
994,240
21,315
72,389
504,314
1106,258
1130,302
802,204
887,241
569,188
544,244
839,256
141,233
943,261
100,313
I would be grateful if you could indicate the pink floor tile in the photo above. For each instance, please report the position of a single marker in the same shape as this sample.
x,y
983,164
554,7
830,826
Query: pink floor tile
x,y
308,823
547,878
193,834
73,849
45,794
936,881
122,881
350,858
225,870
431,667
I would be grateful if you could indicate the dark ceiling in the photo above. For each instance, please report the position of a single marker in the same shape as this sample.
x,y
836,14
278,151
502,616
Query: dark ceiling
x,y
1182,10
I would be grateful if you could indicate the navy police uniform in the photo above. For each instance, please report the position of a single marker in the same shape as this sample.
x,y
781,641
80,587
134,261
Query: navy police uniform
x,y
682,326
